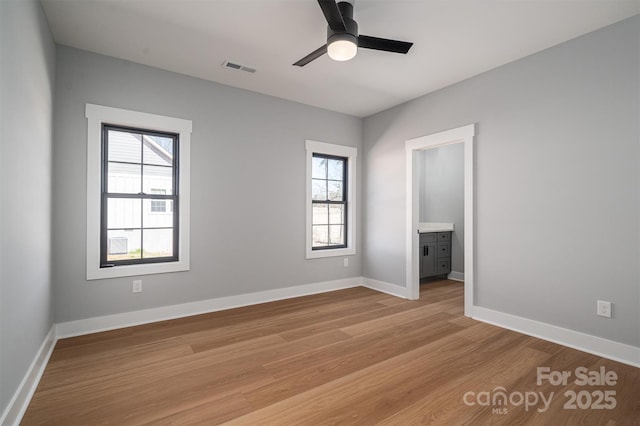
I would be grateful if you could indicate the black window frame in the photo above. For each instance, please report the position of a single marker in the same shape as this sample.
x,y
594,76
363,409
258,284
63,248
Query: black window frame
x,y
105,195
344,202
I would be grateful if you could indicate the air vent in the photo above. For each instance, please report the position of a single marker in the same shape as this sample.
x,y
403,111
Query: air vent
x,y
237,67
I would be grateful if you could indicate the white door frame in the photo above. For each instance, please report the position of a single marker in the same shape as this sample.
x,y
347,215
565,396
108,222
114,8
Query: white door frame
x,y
464,134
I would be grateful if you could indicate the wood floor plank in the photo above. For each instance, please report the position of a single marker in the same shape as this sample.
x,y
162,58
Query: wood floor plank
x,y
342,322
406,375
318,400
98,366
226,409
353,356
297,375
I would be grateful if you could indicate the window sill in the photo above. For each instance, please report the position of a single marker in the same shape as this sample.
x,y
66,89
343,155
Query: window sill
x,y
95,272
317,254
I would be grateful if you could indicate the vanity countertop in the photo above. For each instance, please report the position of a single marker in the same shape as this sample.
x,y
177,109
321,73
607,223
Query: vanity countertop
x,y
424,227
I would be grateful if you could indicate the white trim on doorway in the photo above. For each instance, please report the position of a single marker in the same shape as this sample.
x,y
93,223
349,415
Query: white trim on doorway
x,y
465,135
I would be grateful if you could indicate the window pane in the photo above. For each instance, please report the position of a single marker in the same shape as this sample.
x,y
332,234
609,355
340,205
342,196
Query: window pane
x,y
124,178
124,146
319,168
320,214
122,245
123,213
162,217
336,235
157,243
336,169
157,150
335,190
336,214
319,190
156,178
320,236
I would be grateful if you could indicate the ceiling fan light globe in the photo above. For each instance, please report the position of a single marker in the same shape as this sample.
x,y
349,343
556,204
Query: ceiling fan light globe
x,y
342,50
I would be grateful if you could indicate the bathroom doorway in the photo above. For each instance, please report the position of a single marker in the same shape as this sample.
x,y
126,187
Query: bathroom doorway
x,y
414,147
441,212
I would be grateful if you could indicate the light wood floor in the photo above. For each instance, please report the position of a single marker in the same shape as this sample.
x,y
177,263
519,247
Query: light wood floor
x,y
348,357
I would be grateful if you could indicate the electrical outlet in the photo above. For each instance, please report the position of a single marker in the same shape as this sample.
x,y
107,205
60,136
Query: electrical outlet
x,y
346,262
137,286
604,309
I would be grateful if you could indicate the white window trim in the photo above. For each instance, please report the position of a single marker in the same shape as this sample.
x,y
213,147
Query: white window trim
x,y
96,116
350,153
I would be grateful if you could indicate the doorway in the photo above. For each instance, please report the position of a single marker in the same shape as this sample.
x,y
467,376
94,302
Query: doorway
x,y
464,135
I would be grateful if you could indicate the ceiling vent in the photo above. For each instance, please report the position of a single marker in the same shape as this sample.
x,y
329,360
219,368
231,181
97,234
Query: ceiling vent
x,y
238,67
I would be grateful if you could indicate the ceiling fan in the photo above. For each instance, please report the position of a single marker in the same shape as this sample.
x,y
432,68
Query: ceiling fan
x,y
343,40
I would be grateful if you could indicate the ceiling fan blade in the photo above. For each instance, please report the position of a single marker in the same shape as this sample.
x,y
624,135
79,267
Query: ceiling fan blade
x,y
385,44
332,14
312,56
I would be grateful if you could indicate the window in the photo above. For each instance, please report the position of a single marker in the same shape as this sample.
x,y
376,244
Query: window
x,y
137,193
133,161
330,199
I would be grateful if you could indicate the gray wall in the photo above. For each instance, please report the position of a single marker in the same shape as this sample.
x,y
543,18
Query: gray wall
x,y
557,178
247,186
27,55
441,193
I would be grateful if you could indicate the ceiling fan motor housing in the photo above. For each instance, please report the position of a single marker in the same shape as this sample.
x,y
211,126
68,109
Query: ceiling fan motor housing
x,y
351,26
343,40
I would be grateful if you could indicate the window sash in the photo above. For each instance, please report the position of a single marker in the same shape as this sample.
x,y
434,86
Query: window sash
x,y
343,202
106,195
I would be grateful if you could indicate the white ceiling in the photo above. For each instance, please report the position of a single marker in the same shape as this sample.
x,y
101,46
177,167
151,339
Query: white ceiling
x,y
453,40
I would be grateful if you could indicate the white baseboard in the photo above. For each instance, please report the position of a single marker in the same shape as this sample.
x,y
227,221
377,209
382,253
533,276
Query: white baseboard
x,y
384,287
599,346
18,405
456,276
128,319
